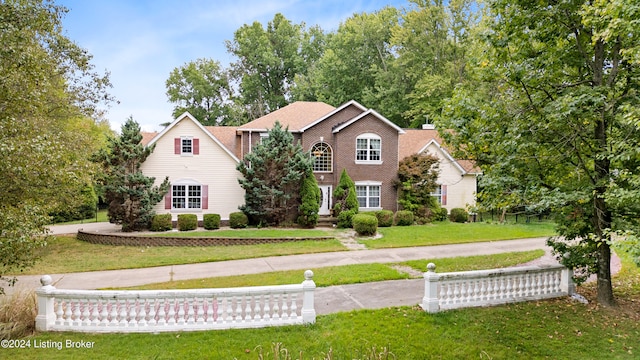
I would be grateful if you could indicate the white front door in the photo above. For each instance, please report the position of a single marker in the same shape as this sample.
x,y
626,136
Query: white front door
x,y
325,199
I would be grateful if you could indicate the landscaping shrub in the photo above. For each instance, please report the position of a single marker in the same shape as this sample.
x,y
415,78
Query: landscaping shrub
x,y
238,220
459,215
440,214
211,221
161,222
403,218
187,222
345,219
385,218
309,202
365,224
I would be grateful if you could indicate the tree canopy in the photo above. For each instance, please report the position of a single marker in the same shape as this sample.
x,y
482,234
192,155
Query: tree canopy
x,y
553,118
49,99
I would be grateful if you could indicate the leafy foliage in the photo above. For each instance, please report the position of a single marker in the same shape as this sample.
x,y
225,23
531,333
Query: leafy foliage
x,y
553,118
202,88
211,221
130,194
459,215
271,177
187,222
365,225
49,97
385,218
238,220
417,179
403,218
161,222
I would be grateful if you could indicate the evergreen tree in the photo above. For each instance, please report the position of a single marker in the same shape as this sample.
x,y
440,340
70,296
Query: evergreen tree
x,y
310,201
129,193
271,178
345,195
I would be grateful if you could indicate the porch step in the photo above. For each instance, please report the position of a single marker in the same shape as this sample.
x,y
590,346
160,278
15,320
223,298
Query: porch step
x,y
327,221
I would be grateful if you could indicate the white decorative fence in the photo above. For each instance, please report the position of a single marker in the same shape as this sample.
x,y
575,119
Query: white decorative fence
x,y
174,310
492,287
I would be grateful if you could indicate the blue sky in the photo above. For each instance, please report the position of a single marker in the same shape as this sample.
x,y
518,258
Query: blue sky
x,y
141,41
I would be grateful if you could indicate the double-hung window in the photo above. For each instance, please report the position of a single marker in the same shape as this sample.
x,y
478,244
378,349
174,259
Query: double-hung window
x,y
186,197
368,149
186,146
368,194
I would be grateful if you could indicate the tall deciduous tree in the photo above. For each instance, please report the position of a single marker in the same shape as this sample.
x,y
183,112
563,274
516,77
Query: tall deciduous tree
x,y
130,194
271,177
48,95
202,88
269,59
417,176
557,113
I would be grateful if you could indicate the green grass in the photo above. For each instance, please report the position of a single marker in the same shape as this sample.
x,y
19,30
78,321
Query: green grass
x,y
352,274
67,254
455,233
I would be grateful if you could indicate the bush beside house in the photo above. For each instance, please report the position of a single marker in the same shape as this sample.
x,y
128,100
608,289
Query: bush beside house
x,y
187,222
211,221
459,215
403,218
161,223
238,220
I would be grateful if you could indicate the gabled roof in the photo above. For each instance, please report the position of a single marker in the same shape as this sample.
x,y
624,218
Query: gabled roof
x,y
227,136
295,116
335,111
416,141
190,117
147,137
364,114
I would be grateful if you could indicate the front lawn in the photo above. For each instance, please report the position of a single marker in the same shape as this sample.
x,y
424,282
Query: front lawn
x,y
440,233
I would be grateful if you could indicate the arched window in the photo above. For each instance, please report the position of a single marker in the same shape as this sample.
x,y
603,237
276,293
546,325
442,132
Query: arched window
x,y
368,149
321,153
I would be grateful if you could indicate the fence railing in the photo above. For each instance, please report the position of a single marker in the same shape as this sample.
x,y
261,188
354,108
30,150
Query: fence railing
x,y
174,310
492,287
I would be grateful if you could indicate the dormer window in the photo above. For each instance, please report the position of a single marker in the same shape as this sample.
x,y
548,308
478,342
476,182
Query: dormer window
x,y
368,149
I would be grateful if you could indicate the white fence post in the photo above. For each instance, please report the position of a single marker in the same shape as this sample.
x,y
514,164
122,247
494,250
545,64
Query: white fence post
x,y
308,310
46,313
430,302
566,282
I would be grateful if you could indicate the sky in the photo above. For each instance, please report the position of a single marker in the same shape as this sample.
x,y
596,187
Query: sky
x,y
139,42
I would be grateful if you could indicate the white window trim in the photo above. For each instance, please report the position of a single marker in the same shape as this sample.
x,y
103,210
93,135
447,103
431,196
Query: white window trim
x,y
368,137
330,158
186,209
437,194
182,152
369,184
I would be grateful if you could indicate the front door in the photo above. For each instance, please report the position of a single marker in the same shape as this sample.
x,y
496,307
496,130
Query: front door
x,y
325,199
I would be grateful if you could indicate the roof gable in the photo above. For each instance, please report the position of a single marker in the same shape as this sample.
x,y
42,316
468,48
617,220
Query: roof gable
x,y
364,114
416,141
188,117
335,111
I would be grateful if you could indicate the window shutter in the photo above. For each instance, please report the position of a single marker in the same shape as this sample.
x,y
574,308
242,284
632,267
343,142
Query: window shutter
x,y
167,200
444,194
177,145
205,197
196,146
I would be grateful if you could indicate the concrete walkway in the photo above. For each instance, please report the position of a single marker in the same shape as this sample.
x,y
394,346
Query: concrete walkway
x,y
328,300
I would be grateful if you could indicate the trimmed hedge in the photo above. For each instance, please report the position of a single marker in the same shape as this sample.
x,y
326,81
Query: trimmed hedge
x,y
365,224
187,222
403,218
385,218
459,215
345,219
440,214
211,221
161,223
238,220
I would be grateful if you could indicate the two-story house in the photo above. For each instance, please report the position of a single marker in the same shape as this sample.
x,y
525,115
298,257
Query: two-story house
x,y
201,161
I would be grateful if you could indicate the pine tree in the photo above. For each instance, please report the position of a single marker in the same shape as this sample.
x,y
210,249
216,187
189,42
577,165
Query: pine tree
x,y
129,193
345,195
272,172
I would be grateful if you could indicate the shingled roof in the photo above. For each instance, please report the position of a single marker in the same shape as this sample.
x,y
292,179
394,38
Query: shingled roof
x,y
413,141
295,116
